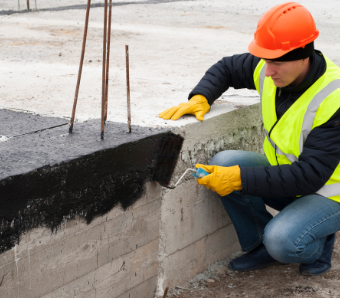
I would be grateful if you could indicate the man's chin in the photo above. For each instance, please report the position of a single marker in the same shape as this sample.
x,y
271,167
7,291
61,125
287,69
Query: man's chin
x,y
279,84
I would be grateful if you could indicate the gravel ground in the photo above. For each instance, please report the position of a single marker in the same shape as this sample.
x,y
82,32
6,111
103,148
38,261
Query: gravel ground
x,y
271,282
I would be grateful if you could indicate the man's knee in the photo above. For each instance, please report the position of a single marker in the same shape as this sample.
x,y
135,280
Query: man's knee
x,y
229,158
279,243
222,158
288,243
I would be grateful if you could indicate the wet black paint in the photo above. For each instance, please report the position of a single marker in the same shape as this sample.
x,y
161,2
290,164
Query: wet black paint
x,y
167,159
17,123
49,176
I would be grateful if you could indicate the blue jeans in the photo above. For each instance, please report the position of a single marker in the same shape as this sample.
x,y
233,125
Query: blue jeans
x,y
296,235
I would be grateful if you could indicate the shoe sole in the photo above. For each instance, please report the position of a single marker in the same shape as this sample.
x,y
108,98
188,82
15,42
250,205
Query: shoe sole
x,y
306,273
256,268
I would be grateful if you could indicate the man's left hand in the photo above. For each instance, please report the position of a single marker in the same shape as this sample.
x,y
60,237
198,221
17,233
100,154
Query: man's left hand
x,y
222,180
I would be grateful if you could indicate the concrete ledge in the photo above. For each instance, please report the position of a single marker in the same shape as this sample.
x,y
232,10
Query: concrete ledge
x,y
195,230
135,245
52,175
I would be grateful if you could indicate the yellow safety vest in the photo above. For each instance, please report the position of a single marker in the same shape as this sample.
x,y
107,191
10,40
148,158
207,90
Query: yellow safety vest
x,y
285,138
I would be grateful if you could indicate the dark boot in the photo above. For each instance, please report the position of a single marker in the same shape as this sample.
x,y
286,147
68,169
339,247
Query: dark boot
x,y
323,264
258,258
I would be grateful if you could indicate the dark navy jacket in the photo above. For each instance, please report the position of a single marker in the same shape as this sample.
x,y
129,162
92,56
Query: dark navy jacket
x,y
321,151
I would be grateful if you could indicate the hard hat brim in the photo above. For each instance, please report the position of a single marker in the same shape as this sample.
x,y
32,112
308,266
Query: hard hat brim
x,y
260,52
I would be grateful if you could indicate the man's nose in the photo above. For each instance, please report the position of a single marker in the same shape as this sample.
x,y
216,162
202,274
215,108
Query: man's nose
x,y
270,70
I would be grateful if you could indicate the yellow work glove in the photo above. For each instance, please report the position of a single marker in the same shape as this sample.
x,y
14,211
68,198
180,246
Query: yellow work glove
x,y
222,180
198,105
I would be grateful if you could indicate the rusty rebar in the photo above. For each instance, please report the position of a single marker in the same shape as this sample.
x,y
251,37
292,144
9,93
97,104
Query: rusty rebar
x,y
28,4
80,65
166,292
108,61
128,87
104,72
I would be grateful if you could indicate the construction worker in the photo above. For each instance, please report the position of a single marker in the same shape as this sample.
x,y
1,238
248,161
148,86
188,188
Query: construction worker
x,y
299,175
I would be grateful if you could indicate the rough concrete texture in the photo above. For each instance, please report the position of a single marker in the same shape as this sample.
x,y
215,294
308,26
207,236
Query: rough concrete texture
x,y
115,254
171,44
46,140
189,228
14,124
51,175
196,230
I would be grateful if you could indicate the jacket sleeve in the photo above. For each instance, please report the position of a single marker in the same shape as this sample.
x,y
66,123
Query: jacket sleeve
x,y
316,164
235,71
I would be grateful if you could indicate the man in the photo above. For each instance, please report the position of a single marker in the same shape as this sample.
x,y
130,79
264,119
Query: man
x,y
299,175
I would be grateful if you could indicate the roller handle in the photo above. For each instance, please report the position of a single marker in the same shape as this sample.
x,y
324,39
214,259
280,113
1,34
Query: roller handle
x,y
200,173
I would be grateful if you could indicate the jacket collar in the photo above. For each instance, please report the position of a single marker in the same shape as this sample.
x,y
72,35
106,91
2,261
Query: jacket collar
x,y
317,69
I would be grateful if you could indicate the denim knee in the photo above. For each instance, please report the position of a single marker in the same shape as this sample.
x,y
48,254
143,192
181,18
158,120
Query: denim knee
x,y
287,247
278,243
229,158
223,158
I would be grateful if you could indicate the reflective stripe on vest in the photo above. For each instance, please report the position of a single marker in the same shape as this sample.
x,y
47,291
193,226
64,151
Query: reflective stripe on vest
x,y
328,190
308,117
291,157
313,107
261,81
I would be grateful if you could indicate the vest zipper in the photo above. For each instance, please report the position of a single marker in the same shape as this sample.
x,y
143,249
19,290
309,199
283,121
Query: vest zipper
x,y
274,143
279,94
273,127
277,161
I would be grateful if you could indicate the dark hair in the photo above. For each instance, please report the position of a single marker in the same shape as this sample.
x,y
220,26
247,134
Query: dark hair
x,y
297,54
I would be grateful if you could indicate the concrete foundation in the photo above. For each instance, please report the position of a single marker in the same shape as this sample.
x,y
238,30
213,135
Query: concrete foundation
x,y
163,239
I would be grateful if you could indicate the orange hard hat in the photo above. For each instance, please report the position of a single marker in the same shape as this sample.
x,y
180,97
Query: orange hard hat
x,y
283,28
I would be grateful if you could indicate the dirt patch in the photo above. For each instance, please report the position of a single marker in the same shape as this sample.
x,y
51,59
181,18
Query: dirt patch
x,y
271,282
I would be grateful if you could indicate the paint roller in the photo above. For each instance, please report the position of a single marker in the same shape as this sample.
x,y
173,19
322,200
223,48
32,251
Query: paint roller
x,y
167,160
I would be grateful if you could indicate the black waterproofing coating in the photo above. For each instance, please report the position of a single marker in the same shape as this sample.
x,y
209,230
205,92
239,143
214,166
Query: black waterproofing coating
x,y
321,151
49,176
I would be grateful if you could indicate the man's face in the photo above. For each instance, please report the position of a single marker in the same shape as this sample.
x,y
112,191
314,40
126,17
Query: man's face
x,y
286,73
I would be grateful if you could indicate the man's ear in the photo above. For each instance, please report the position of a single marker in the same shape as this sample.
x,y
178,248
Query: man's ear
x,y
306,60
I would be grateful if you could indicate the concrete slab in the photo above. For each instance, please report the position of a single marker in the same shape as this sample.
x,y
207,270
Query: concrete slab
x,y
51,175
14,124
50,143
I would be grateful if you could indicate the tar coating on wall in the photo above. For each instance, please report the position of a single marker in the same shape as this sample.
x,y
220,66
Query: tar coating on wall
x,y
167,159
88,186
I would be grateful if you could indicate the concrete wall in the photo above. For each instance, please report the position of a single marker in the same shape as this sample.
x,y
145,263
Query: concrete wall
x,y
114,256
195,230
164,239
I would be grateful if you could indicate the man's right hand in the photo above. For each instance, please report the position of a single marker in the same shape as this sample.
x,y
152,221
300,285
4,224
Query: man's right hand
x,y
198,105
